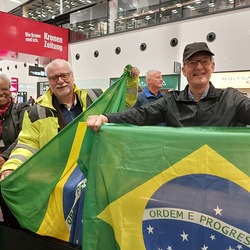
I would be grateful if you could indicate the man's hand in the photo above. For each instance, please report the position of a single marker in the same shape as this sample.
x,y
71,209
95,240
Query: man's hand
x,y
5,173
135,72
96,121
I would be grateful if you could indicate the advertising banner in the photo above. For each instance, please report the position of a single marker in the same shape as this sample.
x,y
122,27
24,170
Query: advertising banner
x,y
14,88
236,79
23,35
37,71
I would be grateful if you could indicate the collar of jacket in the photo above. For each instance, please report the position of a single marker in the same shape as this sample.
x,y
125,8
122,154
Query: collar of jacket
x,y
212,93
46,99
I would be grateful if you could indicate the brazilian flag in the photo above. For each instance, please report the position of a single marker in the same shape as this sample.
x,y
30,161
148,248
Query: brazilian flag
x,y
46,193
167,188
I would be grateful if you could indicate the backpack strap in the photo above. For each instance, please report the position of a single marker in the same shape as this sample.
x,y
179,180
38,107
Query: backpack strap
x,y
37,112
92,95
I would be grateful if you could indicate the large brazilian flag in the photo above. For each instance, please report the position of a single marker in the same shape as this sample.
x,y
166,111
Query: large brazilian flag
x,y
167,188
46,193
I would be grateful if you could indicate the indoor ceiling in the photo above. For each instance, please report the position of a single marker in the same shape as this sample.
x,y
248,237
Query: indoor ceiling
x,y
8,5
42,10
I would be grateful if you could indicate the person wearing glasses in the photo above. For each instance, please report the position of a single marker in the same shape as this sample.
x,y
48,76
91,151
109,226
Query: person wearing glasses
x,y
199,104
60,105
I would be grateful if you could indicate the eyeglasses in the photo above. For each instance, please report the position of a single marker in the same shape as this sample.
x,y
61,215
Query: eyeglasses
x,y
64,76
194,63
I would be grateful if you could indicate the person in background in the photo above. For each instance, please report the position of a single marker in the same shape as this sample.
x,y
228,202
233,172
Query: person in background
x,y
199,104
152,92
31,101
11,118
61,104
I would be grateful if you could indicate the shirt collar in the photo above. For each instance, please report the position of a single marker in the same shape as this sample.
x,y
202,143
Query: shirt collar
x,y
149,93
74,104
191,96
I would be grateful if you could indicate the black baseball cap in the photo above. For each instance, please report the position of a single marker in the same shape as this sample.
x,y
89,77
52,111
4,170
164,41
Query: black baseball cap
x,y
193,48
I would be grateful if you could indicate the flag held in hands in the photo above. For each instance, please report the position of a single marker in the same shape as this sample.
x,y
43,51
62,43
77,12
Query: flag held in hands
x,y
168,188
46,193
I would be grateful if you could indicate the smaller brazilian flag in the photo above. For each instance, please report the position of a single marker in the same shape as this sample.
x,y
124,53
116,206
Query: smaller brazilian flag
x,y
168,188
46,193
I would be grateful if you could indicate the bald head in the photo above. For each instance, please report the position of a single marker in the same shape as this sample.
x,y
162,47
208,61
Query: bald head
x,y
57,63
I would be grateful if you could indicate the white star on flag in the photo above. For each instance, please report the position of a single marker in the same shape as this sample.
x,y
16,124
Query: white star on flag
x,y
212,237
217,210
150,229
184,236
204,247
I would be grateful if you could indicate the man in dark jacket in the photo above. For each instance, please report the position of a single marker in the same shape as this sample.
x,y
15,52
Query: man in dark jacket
x,y
152,92
199,104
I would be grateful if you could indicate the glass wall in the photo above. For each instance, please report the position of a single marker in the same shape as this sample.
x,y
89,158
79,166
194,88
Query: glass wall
x,y
88,18
43,10
90,22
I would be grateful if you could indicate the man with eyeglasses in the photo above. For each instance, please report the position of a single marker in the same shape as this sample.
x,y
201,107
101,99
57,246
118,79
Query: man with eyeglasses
x,y
61,104
199,104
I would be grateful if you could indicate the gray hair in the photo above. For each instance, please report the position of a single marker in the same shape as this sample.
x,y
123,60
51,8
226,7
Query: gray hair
x,y
6,79
57,61
151,72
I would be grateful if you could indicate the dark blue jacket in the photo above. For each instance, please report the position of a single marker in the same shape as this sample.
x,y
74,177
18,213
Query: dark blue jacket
x,y
146,97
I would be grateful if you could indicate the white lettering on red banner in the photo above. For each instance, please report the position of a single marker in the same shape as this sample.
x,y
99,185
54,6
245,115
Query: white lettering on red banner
x,y
51,41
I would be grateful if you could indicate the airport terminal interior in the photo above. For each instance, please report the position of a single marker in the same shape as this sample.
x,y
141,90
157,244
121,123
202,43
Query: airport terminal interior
x,y
99,38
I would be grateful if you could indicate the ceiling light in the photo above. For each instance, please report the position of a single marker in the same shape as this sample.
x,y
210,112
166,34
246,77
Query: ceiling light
x,y
16,1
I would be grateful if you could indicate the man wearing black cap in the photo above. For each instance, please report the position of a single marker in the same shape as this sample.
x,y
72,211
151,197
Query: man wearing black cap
x,y
199,104
198,67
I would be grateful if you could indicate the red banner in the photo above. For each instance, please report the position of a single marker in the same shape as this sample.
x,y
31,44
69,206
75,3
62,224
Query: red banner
x,y
23,35
14,84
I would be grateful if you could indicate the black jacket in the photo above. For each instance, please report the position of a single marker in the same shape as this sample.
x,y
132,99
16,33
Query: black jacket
x,y
11,126
221,107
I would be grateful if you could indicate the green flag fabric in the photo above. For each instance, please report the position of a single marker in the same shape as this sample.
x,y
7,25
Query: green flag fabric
x,y
167,188
46,192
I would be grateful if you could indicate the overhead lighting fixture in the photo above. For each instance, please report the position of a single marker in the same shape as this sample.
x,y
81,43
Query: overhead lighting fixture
x,y
211,4
16,1
190,7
